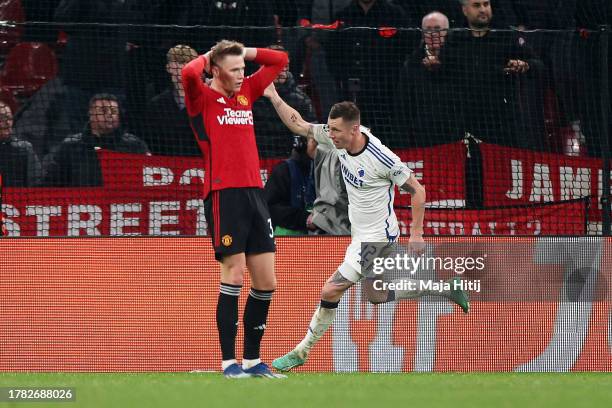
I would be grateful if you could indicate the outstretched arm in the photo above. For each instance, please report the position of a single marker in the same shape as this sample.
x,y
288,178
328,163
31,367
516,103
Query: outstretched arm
x,y
290,117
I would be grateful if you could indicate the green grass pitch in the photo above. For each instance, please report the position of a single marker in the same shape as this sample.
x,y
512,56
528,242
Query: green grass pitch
x,y
418,390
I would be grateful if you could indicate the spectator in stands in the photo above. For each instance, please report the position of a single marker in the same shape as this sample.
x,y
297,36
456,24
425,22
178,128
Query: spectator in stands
x,y
290,190
165,126
364,61
74,161
271,133
310,56
505,14
94,59
487,65
19,165
426,105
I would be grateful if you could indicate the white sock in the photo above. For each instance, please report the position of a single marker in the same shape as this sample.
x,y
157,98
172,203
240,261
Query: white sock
x,y
227,363
321,320
246,364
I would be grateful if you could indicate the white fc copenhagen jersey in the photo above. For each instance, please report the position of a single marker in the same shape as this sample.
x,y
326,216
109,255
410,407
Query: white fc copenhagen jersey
x,y
370,177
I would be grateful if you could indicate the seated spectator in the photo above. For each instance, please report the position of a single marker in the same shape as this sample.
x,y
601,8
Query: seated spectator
x,y
426,112
487,66
270,132
19,165
74,161
166,129
290,190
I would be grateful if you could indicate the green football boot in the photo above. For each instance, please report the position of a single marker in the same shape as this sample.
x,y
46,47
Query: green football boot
x,y
290,360
459,296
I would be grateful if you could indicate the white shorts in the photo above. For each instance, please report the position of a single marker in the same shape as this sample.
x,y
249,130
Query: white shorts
x,y
351,267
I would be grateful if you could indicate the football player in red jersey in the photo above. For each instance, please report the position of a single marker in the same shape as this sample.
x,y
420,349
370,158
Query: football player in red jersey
x,y
236,210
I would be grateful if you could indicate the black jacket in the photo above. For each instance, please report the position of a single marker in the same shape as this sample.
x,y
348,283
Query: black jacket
x,y
278,195
427,108
74,161
273,138
488,98
19,165
167,130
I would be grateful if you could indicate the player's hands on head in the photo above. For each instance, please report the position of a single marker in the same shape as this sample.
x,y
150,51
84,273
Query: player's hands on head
x,y
431,62
516,66
416,244
270,91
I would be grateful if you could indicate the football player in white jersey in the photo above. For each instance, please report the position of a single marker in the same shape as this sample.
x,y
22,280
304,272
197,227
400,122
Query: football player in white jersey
x,y
371,171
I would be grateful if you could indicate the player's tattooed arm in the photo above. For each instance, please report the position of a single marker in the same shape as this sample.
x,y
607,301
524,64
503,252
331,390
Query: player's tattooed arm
x,y
289,116
417,202
339,280
408,188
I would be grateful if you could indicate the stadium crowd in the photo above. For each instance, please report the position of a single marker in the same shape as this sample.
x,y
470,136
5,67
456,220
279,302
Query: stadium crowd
x,y
526,74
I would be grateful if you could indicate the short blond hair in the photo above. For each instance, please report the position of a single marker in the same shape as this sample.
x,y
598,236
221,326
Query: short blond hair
x,y
223,48
181,54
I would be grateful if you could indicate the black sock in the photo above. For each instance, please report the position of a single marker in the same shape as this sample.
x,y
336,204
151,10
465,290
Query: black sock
x,y
227,319
255,316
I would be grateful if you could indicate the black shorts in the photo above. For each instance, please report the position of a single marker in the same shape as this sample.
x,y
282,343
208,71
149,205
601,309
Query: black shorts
x,y
239,221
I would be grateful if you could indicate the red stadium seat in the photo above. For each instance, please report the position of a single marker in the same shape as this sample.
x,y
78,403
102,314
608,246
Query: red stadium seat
x,y
10,34
27,67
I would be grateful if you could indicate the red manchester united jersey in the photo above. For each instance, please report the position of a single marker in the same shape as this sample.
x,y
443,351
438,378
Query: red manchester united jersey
x,y
224,126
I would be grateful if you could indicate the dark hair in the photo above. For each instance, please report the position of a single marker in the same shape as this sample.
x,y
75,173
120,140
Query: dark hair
x,y
223,48
346,110
103,97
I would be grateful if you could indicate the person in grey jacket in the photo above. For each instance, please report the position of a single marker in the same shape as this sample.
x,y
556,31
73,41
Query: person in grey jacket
x,y
74,162
19,165
330,209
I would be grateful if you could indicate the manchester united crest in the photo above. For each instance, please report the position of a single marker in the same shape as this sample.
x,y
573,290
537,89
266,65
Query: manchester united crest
x,y
243,100
226,240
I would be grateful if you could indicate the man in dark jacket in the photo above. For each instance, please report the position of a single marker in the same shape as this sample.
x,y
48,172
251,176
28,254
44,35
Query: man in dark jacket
x,y
427,111
19,165
74,162
271,133
488,66
290,190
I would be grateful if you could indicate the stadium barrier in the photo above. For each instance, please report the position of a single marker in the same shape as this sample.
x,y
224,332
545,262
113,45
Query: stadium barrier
x,y
147,304
161,195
